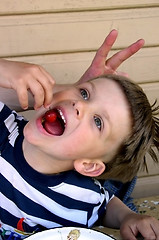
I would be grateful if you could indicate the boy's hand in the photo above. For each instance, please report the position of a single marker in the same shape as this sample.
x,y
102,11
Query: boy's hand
x,y
135,224
101,65
24,77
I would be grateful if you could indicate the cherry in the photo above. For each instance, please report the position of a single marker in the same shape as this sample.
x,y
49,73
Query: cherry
x,y
50,116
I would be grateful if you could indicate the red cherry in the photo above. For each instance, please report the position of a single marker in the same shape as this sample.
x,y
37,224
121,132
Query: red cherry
x,y
50,116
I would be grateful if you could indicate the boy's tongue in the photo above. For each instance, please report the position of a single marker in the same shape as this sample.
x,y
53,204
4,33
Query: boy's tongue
x,y
53,123
53,128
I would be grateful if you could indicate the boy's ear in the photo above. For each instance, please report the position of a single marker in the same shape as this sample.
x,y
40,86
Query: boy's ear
x,y
89,167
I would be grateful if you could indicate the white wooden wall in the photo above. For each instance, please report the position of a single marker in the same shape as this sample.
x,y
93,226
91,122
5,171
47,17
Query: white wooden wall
x,y
63,36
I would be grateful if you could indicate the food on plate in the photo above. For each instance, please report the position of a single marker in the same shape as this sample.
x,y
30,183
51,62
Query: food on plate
x,y
73,234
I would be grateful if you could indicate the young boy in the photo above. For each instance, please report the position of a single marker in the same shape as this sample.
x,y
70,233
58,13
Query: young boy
x,y
40,187
45,174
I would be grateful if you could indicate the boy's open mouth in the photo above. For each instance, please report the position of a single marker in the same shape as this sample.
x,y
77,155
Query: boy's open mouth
x,y
54,122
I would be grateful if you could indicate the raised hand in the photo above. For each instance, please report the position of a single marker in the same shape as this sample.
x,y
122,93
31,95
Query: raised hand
x,y
101,65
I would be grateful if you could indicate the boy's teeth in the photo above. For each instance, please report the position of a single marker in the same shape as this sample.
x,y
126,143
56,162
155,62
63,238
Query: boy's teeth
x,y
62,116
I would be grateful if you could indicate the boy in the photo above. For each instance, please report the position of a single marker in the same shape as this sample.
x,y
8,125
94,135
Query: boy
x,y
41,169
41,185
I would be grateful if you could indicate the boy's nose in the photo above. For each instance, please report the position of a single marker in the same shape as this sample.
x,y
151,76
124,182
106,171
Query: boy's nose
x,y
80,108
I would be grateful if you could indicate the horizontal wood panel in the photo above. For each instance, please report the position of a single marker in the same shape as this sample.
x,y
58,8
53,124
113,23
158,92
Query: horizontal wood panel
x,y
146,186
152,91
143,66
153,168
68,68
36,6
74,32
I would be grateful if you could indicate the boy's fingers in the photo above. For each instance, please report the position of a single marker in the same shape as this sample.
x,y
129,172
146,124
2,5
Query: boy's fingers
x,y
41,75
115,61
22,94
47,83
106,46
108,43
127,233
147,226
36,90
39,96
48,76
155,227
47,91
148,233
48,95
41,86
38,93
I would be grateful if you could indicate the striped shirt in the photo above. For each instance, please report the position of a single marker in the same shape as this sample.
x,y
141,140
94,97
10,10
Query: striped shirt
x,y
31,201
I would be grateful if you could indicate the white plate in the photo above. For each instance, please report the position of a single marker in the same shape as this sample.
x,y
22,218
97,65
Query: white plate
x,y
70,233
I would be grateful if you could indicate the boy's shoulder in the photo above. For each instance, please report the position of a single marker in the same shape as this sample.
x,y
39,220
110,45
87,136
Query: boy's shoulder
x,y
83,182
5,111
81,188
11,125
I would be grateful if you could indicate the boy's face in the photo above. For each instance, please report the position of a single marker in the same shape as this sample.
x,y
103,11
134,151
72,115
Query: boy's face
x,y
93,120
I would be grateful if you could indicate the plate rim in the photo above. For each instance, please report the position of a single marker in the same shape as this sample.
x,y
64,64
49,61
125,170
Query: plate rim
x,y
73,227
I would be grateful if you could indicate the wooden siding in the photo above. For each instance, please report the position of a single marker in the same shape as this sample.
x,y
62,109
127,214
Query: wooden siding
x,y
35,6
38,34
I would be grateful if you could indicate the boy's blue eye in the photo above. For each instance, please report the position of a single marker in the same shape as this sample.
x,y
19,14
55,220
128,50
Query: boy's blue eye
x,y
98,122
84,94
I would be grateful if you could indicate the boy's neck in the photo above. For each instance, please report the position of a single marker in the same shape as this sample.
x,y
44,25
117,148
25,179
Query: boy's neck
x,y
43,162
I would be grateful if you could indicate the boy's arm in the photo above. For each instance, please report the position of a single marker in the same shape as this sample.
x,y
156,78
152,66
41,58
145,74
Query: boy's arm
x,y
118,215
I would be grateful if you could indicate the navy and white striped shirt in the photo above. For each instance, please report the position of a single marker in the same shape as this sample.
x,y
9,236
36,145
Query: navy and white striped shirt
x,y
31,201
